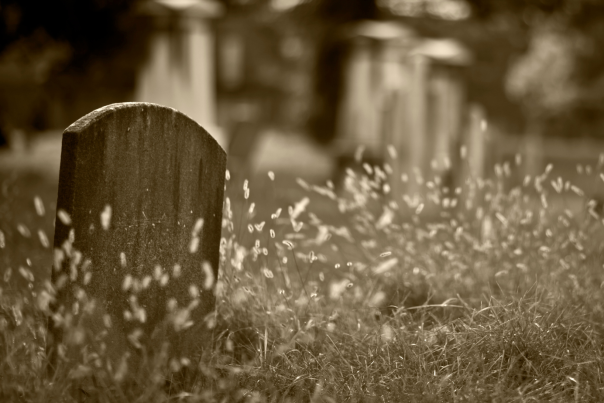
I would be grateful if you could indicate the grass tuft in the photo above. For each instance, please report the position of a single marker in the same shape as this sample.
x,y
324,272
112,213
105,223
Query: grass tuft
x,y
490,291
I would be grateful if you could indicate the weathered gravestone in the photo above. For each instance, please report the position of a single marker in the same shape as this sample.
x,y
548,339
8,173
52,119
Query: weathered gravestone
x,y
137,234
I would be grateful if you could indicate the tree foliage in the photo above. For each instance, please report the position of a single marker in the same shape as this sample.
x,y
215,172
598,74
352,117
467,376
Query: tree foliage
x,y
561,72
62,58
89,27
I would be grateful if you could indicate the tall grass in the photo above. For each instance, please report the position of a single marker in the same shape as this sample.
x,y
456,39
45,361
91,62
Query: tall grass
x,y
486,292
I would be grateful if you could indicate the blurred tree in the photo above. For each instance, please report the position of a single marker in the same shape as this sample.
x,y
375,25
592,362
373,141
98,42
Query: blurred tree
x,y
89,27
49,49
559,78
542,78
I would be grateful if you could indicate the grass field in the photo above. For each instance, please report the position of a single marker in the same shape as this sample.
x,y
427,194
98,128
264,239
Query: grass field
x,y
487,293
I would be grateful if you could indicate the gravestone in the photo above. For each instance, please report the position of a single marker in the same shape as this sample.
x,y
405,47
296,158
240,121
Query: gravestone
x,y
139,214
179,69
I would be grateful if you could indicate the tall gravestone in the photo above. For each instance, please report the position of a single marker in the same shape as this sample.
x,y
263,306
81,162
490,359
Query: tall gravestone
x,y
137,234
179,70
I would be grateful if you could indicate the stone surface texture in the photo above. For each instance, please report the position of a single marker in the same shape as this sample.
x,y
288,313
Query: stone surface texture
x,y
135,178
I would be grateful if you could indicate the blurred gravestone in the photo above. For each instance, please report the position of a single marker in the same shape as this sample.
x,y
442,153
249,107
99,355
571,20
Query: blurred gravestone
x,y
137,235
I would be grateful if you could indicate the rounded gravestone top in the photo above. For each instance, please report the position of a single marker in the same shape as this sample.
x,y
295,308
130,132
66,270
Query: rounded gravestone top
x,y
448,51
195,8
98,114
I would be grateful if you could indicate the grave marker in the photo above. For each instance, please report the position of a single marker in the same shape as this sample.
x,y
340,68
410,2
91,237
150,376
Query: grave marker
x,y
139,215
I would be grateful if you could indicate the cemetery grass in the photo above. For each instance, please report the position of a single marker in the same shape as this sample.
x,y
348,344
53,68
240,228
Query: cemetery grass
x,y
488,292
